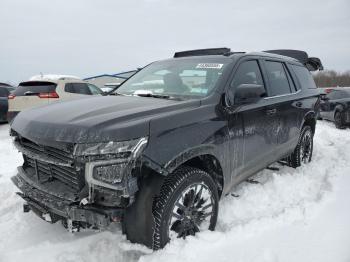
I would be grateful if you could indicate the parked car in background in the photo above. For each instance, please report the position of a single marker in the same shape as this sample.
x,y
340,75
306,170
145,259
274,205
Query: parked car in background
x,y
5,90
159,152
335,107
43,90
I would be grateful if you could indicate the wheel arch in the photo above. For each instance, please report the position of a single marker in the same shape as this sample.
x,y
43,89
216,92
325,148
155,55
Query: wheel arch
x,y
310,120
338,108
202,157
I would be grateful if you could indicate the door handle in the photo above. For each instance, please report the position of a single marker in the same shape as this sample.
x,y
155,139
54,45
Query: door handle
x,y
271,112
298,104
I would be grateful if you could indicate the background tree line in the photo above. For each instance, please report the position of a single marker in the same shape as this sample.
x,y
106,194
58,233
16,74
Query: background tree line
x,y
330,78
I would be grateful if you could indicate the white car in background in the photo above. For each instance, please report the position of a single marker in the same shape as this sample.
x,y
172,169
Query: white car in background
x,y
46,89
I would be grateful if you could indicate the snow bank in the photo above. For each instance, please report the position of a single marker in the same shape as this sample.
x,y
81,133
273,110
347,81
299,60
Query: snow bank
x,y
291,215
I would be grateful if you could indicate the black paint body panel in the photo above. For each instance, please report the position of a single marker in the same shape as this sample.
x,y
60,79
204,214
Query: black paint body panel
x,y
244,139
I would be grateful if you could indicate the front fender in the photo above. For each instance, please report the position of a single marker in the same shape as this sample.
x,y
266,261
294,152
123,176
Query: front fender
x,y
186,155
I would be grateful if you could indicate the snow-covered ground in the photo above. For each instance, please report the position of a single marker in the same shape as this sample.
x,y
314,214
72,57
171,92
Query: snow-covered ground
x,y
291,215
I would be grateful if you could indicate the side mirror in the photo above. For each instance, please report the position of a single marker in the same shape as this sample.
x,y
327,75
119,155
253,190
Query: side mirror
x,y
249,93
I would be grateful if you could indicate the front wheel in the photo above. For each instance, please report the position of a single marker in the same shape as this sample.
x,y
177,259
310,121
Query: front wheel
x,y
187,204
303,151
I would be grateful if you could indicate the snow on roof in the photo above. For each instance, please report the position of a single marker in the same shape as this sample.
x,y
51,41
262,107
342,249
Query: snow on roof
x,y
52,77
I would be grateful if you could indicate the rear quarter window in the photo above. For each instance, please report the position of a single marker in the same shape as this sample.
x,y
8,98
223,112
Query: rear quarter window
x,y
304,77
33,87
77,88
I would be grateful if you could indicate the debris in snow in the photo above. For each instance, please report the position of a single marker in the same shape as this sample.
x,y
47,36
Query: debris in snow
x,y
47,217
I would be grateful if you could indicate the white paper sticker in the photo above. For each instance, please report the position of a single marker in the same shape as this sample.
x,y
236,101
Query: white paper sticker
x,y
210,65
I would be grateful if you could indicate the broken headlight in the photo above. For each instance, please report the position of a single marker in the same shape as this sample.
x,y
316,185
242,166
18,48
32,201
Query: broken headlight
x,y
111,174
134,147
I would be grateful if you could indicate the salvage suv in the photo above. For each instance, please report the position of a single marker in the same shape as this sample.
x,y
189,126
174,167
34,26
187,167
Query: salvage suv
x,y
159,152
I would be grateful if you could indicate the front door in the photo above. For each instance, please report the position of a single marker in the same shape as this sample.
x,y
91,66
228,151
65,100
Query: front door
x,y
260,122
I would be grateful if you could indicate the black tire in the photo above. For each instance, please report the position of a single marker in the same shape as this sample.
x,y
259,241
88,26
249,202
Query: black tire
x,y
303,151
154,228
338,120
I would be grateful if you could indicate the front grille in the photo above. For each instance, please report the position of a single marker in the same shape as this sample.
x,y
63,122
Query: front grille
x,y
63,154
70,176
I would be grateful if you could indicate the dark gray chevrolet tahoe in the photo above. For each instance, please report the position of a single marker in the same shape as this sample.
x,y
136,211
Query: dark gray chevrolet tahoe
x,y
159,152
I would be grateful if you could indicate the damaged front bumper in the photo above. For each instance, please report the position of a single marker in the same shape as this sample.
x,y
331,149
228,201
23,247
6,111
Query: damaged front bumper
x,y
52,207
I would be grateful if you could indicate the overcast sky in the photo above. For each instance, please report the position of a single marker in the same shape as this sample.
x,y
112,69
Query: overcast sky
x,y
91,37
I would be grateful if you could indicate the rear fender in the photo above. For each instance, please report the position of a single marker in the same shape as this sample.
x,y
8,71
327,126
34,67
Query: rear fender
x,y
310,117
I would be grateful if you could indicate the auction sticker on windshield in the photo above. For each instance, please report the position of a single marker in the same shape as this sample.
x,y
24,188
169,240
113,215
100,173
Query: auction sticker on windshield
x,y
210,65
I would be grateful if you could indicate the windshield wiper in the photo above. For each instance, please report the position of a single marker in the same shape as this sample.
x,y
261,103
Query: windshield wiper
x,y
153,95
146,95
111,93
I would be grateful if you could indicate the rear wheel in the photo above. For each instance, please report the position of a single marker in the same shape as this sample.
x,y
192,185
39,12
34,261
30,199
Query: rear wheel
x,y
338,120
303,151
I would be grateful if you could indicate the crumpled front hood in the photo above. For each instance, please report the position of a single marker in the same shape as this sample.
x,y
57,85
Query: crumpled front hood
x,y
95,119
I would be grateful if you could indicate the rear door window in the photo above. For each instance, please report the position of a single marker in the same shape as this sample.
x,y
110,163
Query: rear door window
x,y
304,76
34,88
77,88
278,80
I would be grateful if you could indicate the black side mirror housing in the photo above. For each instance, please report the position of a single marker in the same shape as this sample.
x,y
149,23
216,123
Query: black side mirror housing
x,y
248,93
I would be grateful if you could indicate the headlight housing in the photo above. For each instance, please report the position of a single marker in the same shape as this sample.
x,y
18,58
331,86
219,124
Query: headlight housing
x,y
110,173
134,147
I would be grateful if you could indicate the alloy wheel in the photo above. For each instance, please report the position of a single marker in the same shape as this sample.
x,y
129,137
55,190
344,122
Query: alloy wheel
x,y
192,211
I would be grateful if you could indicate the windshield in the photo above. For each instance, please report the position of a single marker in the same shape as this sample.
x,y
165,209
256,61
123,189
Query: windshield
x,y
185,79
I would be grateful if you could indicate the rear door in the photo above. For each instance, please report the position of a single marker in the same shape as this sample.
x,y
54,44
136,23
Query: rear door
x,y
282,92
31,94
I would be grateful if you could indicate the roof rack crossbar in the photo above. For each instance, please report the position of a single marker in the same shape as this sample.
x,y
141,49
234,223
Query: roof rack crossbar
x,y
207,51
311,63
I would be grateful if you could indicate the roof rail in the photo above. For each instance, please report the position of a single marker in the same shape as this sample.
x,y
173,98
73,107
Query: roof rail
x,y
311,63
207,51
